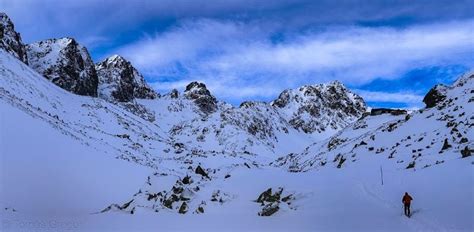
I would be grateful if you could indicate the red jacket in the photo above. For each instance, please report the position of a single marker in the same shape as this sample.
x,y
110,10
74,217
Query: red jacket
x,y
407,199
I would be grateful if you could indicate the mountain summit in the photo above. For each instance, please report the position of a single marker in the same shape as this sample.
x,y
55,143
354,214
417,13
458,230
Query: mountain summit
x,y
120,81
321,107
10,40
66,63
201,96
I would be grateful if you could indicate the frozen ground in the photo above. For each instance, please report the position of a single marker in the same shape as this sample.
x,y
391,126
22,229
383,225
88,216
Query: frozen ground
x,y
57,198
51,197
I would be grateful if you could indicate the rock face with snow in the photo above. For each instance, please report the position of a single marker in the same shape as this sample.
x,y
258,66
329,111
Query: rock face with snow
x,y
120,81
435,95
10,40
201,96
419,140
66,63
320,108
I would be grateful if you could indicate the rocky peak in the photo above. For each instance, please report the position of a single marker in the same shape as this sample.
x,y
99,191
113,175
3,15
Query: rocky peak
x,y
438,95
10,40
66,63
435,95
174,93
468,76
317,108
120,81
201,96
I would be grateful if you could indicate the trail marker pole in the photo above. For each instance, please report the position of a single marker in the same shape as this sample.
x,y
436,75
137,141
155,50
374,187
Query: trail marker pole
x,y
381,174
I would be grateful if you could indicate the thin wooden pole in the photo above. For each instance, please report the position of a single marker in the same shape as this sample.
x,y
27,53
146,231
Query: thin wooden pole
x,y
381,174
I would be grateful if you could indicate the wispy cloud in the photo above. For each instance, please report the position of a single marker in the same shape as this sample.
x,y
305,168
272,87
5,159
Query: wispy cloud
x,y
227,54
244,49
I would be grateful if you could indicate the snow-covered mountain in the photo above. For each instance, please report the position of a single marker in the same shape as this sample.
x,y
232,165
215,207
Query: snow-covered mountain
x,y
307,159
428,137
66,63
120,81
320,108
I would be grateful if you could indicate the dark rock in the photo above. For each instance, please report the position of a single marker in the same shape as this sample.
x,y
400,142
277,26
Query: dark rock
x,y
187,180
269,209
436,95
177,189
152,196
168,203
183,208
264,195
446,145
10,40
334,142
341,161
120,81
201,96
267,196
466,152
66,63
200,209
201,172
174,93
379,111
287,198
126,205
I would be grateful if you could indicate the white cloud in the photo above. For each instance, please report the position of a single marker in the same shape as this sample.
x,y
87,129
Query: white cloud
x,y
229,55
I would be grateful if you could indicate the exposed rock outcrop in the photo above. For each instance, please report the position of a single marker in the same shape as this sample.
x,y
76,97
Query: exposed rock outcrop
x,y
436,95
320,107
66,63
379,111
201,96
120,81
10,40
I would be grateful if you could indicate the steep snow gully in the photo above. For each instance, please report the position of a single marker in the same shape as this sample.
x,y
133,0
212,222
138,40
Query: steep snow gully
x,y
91,147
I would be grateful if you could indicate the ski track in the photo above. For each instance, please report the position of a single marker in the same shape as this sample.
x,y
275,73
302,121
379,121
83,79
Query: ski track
x,y
418,223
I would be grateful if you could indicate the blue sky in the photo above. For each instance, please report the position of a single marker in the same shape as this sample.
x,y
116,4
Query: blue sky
x,y
390,52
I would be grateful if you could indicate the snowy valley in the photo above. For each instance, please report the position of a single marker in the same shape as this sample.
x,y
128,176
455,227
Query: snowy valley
x,y
92,147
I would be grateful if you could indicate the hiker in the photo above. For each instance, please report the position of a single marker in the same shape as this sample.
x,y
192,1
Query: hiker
x,y
406,200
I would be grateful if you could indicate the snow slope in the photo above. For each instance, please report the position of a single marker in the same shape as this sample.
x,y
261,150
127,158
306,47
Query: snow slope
x,y
419,140
45,172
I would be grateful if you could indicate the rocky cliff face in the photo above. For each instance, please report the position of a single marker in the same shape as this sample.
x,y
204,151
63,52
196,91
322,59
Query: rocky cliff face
x,y
319,108
66,63
120,81
10,40
201,96
435,95
418,140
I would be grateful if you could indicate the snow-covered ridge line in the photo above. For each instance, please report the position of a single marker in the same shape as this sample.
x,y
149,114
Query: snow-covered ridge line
x,y
430,136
